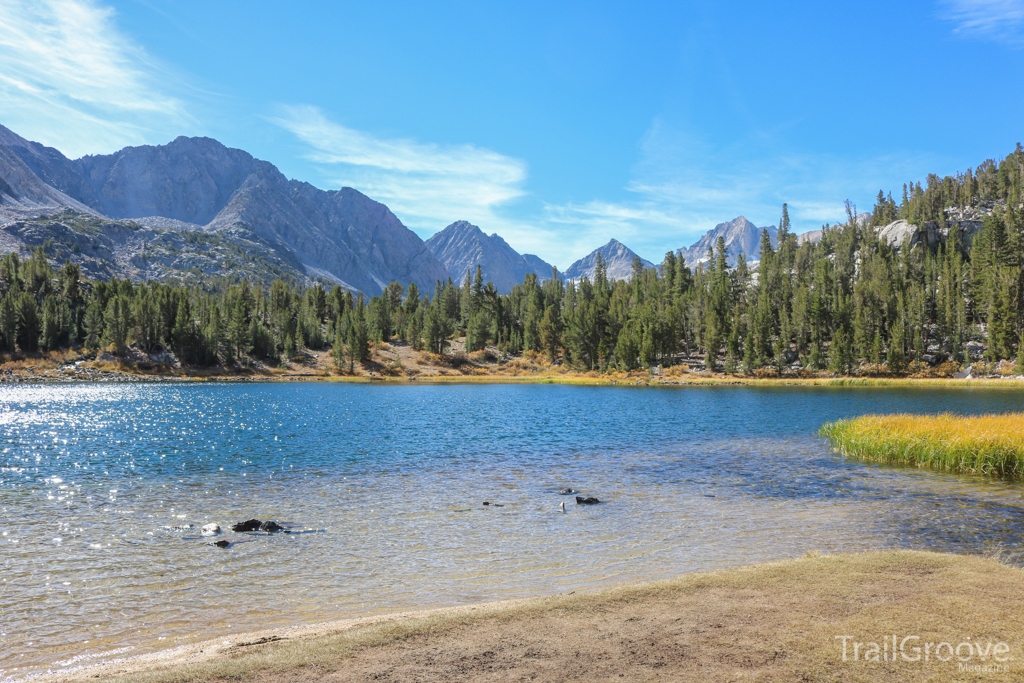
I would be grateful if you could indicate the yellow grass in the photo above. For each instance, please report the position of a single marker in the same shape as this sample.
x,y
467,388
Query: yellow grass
x,y
983,444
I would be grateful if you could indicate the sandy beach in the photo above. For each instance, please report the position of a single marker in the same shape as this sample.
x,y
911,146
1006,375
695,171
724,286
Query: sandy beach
x,y
932,617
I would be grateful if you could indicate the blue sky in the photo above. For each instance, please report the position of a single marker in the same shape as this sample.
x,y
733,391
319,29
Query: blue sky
x,y
557,125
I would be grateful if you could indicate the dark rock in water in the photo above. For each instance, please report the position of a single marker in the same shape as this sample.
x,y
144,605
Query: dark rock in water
x,y
486,503
222,544
495,505
567,491
258,525
580,500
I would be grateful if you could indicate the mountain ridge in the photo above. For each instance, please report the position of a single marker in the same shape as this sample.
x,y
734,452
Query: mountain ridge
x,y
199,183
461,246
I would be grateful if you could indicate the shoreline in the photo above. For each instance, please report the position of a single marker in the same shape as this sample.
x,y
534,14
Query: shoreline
x,y
569,379
399,363
776,620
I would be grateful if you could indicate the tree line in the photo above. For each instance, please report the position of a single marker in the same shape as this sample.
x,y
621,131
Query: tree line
x,y
846,301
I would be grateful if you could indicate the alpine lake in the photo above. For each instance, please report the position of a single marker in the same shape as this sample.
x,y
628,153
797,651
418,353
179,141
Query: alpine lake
x,y
104,489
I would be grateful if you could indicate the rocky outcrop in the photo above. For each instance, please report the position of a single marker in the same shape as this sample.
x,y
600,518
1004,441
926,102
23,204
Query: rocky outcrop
x,y
741,237
462,246
104,248
901,234
618,262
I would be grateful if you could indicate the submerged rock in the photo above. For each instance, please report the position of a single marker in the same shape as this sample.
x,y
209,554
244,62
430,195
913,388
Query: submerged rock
x,y
258,525
222,544
580,500
567,491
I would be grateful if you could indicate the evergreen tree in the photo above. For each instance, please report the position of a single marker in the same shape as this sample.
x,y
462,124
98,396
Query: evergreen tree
x,y
8,322
28,326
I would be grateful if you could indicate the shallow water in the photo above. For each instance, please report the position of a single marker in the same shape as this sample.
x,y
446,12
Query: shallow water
x,y
98,484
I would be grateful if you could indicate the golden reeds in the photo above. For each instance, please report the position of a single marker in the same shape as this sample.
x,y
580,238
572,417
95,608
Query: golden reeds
x,y
982,444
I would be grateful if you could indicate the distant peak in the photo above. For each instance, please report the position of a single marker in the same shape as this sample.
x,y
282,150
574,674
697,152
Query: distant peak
x,y
461,225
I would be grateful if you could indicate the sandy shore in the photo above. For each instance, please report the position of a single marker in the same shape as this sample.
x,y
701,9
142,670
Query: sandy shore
x,y
776,621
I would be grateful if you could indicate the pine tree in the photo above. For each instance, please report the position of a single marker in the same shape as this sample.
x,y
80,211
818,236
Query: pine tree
x,y
551,332
117,321
93,323
28,322
896,356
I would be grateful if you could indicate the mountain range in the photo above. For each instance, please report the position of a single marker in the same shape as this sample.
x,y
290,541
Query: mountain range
x,y
206,196
194,208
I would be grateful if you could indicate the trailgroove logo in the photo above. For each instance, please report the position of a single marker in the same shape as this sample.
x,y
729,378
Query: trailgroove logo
x,y
971,656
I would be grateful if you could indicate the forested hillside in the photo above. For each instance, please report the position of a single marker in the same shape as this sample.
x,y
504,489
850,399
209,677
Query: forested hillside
x,y
849,303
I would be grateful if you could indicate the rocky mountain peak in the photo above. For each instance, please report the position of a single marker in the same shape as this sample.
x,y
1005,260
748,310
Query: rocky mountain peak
x,y
740,236
618,260
462,246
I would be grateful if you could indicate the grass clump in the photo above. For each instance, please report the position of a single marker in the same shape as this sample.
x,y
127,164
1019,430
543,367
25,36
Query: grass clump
x,y
982,444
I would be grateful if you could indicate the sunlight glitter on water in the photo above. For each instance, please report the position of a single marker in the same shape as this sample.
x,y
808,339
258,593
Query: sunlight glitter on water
x,y
387,483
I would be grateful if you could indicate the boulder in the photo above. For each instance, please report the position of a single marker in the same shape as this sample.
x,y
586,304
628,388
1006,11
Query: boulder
x,y
964,374
580,500
900,232
257,525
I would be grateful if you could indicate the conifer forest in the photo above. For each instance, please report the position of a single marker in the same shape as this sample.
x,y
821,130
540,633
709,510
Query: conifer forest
x,y
848,302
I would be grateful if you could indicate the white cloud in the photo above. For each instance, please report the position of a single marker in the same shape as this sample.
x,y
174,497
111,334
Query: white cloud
x,y
681,187
584,227
427,185
1000,20
70,79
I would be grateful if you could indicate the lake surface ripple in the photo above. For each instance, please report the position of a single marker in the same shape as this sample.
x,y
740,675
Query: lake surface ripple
x,y
103,489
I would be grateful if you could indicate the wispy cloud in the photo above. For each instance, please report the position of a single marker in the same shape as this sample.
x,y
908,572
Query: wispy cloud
x,y
681,187
584,227
428,185
71,79
999,20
